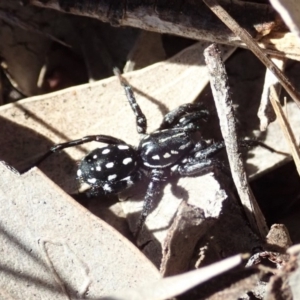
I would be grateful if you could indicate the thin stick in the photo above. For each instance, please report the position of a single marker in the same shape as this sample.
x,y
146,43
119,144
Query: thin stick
x,y
223,101
285,127
253,46
266,112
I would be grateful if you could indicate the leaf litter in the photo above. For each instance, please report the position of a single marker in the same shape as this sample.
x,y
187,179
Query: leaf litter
x,y
64,250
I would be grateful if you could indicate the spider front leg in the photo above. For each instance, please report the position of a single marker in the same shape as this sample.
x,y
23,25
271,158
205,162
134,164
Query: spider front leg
x,y
202,150
141,121
153,191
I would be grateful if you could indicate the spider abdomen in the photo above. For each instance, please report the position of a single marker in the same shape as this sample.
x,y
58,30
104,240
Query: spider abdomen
x,y
107,164
164,148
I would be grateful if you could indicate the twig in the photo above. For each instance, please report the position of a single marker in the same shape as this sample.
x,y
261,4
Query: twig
x,y
266,112
253,46
285,127
190,19
223,101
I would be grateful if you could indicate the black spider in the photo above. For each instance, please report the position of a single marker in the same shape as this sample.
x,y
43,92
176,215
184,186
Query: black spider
x,y
170,150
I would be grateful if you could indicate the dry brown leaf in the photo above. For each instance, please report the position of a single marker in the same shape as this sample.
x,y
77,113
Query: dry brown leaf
x,y
290,13
172,286
53,247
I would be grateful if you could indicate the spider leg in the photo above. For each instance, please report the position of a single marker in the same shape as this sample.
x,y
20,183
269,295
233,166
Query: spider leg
x,y
200,167
192,121
97,138
153,191
200,161
202,150
254,143
141,121
185,114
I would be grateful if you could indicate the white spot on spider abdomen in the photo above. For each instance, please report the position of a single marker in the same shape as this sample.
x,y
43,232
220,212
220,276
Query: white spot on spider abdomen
x,y
156,157
123,147
92,180
107,188
105,151
109,165
167,155
182,120
112,177
182,147
127,160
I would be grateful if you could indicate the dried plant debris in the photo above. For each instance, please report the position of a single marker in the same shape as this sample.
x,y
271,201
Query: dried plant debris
x,y
266,112
224,105
290,12
285,283
240,283
53,246
278,238
176,285
245,36
258,19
